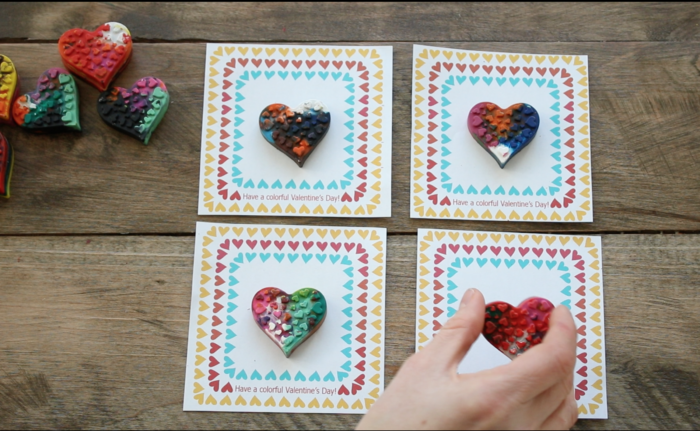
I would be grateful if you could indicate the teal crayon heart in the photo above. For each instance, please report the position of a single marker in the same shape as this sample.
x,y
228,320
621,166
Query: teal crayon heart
x,y
52,106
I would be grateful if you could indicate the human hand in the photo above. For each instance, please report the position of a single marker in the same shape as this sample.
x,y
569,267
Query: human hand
x,y
534,391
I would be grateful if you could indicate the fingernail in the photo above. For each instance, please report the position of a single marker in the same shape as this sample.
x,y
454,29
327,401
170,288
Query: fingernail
x,y
467,296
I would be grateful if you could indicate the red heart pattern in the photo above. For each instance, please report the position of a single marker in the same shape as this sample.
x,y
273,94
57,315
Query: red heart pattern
x,y
513,330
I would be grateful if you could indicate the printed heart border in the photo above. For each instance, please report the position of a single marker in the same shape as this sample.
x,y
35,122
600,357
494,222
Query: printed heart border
x,y
434,193
223,249
364,73
442,254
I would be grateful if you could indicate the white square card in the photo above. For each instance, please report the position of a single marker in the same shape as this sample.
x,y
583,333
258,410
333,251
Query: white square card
x,y
455,178
348,175
231,363
512,267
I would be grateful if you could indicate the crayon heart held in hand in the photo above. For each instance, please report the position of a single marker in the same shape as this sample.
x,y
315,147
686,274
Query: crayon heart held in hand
x,y
52,106
96,56
9,88
136,111
503,133
295,132
513,330
289,319
7,159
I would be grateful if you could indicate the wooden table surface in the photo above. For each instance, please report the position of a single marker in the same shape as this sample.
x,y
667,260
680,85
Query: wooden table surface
x,y
96,243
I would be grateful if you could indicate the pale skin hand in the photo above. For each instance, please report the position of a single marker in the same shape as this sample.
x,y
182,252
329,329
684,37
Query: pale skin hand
x,y
534,391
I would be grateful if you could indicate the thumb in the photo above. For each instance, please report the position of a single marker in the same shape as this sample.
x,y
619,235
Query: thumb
x,y
452,342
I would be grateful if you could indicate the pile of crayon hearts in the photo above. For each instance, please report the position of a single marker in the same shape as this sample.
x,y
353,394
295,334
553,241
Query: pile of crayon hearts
x,y
97,57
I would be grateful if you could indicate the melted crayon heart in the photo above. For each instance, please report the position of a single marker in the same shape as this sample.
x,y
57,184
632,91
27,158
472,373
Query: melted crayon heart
x,y
289,320
9,88
295,132
136,111
96,56
53,106
7,159
513,330
503,133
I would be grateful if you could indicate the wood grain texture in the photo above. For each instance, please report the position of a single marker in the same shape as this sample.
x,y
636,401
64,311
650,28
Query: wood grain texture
x,y
645,105
94,327
495,22
95,333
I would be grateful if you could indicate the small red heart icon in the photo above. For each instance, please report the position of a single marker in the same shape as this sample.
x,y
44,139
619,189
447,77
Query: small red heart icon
x,y
513,330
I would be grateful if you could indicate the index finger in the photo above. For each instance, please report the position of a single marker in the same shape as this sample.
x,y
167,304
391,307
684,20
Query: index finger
x,y
550,362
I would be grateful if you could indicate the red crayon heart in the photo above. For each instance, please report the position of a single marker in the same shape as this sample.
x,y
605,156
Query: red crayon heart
x,y
513,330
96,56
7,159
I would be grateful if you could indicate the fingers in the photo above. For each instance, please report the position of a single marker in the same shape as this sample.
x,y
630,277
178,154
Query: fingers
x,y
564,417
452,342
552,400
551,362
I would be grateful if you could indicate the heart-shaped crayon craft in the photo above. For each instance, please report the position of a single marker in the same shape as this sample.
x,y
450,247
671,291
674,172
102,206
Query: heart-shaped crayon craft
x,y
503,133
7,159
289,319
52,106
513,330
9,88
136,111
295,132
96,56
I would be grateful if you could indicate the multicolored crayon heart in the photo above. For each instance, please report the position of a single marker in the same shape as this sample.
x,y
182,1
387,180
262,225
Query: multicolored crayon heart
x,y
9,88
96,56
7,159
289,320
503,133
513,330
295,132
136,111
53,106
